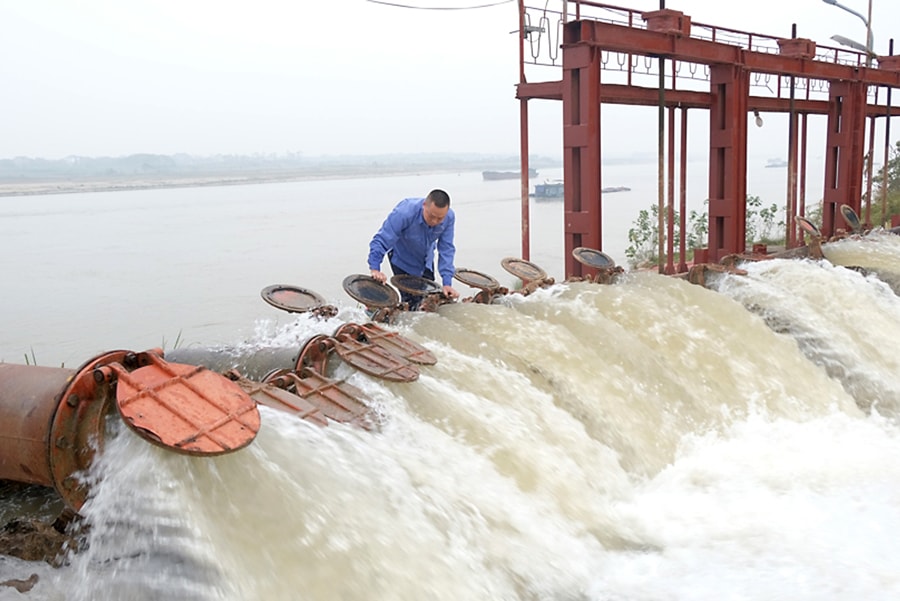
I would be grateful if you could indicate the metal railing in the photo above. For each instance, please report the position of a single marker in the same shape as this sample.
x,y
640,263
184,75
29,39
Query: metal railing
x,y
544,23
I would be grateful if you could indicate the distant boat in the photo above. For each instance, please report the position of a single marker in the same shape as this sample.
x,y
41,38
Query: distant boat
x,y
548,190
776,163
555,189
495,175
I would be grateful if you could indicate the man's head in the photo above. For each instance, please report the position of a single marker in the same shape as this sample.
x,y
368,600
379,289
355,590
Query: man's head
x,y
435,207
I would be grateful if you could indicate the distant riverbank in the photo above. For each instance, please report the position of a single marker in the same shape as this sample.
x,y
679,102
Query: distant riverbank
x,y
34,186
25,176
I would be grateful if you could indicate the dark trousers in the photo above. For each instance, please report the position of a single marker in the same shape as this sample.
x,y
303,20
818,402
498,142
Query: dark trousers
x,y
412,299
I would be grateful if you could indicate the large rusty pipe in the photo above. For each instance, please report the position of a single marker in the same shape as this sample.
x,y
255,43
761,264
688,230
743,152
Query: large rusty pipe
x,y
29,396
253,364
53,423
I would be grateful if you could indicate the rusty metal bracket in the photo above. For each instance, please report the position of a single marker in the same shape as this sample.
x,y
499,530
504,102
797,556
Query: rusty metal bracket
x,y
273,393
534,286
697,273
431,302
604,276
487,297
391,342
331,399
314,354
308,395
387,314
375,361
371,359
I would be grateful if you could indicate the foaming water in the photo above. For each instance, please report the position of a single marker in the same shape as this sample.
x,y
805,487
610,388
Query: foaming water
x,y
844,321
770,509
878,252
645,440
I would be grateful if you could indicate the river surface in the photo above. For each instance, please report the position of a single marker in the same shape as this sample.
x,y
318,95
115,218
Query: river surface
x,y
648,440
86,273
90,272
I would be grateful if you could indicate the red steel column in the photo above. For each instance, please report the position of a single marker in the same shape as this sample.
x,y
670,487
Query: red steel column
x,y
844,151
582,225
729,89
682,180
524,186
670,204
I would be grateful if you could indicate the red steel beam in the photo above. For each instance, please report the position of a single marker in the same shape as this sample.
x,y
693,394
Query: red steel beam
x,y
620,38
643,96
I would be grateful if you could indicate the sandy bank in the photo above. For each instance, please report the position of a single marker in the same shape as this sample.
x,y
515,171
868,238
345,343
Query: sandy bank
x,y
33,187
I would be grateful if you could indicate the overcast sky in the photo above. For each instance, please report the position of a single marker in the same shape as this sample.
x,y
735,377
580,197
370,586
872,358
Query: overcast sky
x,y
115,77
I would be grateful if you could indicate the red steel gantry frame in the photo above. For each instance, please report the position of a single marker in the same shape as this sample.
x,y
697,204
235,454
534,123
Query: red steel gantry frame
x,y
729,59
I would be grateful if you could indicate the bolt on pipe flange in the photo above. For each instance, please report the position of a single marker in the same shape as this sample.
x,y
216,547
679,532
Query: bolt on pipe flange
x,y
78,425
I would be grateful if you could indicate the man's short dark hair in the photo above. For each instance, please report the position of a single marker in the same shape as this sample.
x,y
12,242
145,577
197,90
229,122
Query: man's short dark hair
x,y
440,198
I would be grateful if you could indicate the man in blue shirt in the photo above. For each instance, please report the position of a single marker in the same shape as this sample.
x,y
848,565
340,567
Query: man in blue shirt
x,y
409,237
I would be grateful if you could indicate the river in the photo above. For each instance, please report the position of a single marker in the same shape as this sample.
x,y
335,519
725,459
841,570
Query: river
x,y
89,272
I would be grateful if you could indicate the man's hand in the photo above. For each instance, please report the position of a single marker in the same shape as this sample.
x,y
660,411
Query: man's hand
x,y
378,276
449,292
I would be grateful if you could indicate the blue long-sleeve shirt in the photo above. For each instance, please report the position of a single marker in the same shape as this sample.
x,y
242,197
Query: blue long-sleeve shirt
x,y
414,241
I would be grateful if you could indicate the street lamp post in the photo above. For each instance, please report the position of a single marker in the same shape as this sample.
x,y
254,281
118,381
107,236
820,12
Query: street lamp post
x,y
870,42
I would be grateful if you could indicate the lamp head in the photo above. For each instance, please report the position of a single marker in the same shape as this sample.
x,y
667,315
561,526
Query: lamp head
x,y
844,41
759,120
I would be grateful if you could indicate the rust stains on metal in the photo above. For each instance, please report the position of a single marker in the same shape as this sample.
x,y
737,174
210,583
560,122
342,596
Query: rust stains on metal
x,y
185,408
365,357
392,342
336,400
733,69
53,418
275,394
376,361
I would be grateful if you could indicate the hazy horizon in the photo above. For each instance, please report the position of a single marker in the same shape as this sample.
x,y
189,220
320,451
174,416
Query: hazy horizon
x,y
285,154
352,78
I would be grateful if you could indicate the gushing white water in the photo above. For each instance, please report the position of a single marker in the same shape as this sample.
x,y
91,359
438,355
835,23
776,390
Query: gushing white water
x,y
649,440
847,322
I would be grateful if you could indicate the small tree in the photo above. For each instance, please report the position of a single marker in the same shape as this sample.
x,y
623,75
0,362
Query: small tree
x,y
644,240
893,187
761,223
762,226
